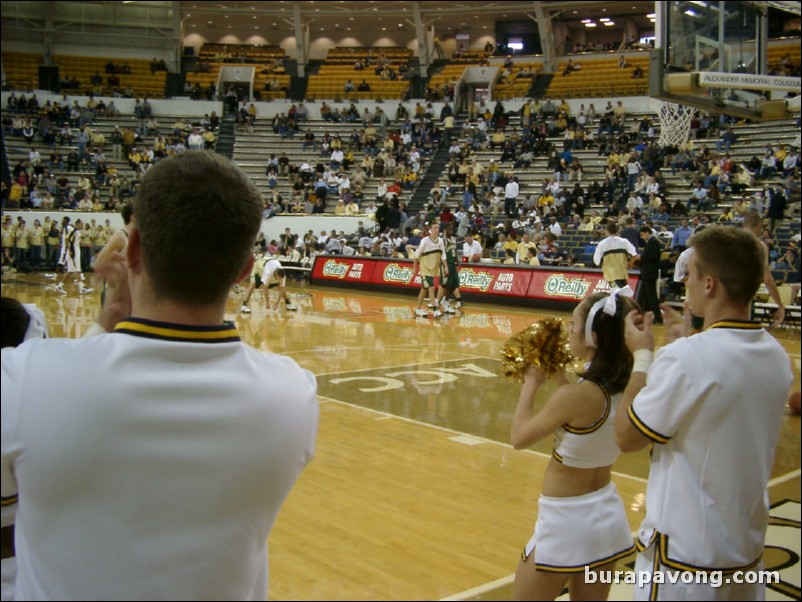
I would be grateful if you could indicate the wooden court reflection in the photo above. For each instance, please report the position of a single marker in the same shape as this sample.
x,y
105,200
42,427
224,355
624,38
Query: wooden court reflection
x,y
414,492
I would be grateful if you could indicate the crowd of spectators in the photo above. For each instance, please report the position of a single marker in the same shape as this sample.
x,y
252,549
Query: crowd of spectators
x,y
42,178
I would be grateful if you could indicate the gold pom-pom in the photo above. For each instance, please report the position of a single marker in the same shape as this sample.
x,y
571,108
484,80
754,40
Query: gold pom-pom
x,y
544,344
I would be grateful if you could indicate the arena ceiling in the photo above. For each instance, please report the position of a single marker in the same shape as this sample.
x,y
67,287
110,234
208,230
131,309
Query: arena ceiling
x,y
447,17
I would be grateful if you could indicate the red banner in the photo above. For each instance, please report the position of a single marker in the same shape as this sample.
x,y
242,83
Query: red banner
x,y
344,269
487,279
395,273
494,280
569,285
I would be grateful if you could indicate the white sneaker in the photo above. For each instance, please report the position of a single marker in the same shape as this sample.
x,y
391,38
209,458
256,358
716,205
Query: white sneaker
x,y
60,289
458,304
430,306
86,290
449,310
437,313
421,313
289,307
245,309
50,276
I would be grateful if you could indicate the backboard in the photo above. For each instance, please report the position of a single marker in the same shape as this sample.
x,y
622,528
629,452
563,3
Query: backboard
x,y
715,55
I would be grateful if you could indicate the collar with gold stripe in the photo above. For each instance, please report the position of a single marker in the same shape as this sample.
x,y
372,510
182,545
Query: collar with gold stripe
x,y
222,333
736,324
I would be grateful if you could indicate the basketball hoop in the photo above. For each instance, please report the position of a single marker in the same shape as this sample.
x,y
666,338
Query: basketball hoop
x,y
675,122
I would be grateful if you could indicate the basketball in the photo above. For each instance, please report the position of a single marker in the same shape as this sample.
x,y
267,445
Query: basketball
x,y
793,402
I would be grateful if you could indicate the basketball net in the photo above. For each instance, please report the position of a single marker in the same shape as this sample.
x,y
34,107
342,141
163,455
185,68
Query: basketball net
x,y
675,122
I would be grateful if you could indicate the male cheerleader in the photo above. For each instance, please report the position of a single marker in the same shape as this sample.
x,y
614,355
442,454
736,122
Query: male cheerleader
x,y
712,405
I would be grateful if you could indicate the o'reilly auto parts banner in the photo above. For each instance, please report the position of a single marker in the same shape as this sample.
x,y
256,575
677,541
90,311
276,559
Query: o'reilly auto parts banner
x,y
547,284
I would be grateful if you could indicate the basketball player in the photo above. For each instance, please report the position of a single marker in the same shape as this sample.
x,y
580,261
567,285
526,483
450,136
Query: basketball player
x,y
581,520
158,474
711,404
449,278
612,254
254,281
70,258
431,254
273,276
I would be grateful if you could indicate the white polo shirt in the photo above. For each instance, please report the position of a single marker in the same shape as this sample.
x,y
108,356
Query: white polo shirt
x,y
469,249
712,404
151,462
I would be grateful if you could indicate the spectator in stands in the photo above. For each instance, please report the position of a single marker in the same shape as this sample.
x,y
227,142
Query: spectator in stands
x,y
726,216
349,86
363,86
195,140
786,262
777,205
681,236
472,249
571,66
554,227
768,166
633,170
231,100
790,163
728,138
699,198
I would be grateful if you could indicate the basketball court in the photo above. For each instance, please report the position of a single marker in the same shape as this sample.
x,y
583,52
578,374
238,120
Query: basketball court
x,y
414,492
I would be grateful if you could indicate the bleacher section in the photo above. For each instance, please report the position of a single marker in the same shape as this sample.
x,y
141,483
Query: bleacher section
x,y
270,81
251,156
330,84
601,77
339,68
785,59
22,71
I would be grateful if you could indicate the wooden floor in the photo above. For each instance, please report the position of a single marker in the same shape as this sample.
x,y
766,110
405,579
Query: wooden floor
x,y
414,493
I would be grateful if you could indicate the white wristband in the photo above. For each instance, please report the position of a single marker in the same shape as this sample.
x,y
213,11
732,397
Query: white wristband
x,y
642,360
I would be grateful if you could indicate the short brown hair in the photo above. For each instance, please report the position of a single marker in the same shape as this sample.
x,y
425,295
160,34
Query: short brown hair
x,y
734,256
197,215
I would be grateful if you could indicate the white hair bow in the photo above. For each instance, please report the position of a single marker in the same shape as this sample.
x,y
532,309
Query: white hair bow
x,y
607,305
